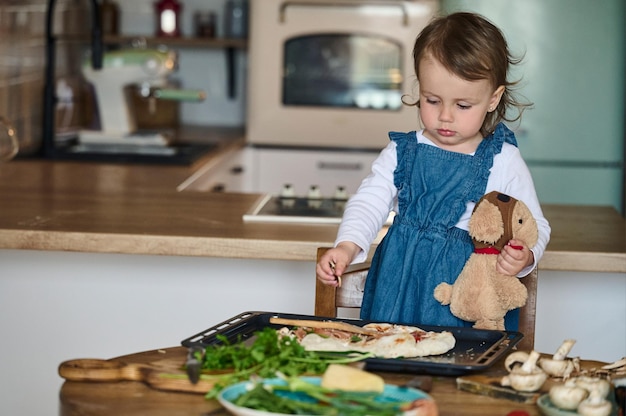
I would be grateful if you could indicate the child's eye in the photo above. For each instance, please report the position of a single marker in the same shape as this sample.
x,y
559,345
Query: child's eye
x,y
464,106
431,101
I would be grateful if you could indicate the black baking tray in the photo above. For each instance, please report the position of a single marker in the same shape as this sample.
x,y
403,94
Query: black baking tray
x,y
475,349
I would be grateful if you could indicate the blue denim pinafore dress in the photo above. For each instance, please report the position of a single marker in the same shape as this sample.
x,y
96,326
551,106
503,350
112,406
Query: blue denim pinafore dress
x,y
423,247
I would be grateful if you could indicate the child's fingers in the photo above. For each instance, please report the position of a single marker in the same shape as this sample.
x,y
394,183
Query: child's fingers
x,y
333,267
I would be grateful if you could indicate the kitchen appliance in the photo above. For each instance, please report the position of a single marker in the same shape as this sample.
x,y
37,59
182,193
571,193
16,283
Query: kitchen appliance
x,y
312,209
270,208
332,73
300,184
61,142
326,81
147,70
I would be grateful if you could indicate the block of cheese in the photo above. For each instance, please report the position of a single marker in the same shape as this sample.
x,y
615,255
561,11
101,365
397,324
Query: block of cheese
x,y
347,378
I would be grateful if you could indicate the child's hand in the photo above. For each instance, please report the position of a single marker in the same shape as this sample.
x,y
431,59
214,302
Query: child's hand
x,y
334,262
514,257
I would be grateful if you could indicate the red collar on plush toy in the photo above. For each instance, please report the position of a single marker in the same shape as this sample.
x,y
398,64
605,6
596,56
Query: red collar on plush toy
x,y
487,250
492,249
505,206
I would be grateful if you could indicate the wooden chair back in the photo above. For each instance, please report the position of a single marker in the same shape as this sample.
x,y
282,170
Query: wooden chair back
x,y
328,299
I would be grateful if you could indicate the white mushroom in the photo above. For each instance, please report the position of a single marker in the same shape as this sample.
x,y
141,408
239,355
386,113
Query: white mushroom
x,y
593,383
528,377
617,364
595,405
558,366
515,359
567,396
564,349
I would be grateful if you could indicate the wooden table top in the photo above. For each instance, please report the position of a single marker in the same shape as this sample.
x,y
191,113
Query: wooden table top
x,y
131,398
135,209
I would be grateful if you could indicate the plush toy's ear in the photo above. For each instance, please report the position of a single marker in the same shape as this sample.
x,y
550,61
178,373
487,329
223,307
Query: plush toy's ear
x,y
524,225
486,224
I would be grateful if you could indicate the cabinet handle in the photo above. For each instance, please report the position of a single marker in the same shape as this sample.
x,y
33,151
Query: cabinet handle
x,y
330,3
339,166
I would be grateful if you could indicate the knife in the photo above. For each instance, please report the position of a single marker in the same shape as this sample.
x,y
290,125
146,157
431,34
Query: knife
x,y
194,363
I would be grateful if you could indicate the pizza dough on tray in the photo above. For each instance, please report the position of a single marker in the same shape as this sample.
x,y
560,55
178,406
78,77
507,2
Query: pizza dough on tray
x,y
388,341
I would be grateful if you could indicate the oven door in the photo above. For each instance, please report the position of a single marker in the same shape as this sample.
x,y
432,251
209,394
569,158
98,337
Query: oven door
x,y
332,73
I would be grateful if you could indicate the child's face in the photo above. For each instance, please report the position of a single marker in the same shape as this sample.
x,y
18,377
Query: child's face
x,y
453,109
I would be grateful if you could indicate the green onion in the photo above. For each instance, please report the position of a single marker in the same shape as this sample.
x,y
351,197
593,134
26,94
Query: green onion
x,y
315,400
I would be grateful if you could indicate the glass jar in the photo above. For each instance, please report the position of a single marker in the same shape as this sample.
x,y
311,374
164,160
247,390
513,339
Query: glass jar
x,y
168,18
236,19
204,23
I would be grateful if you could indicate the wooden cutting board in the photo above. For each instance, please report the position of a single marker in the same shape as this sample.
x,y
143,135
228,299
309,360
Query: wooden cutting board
x,y
488,384
163,374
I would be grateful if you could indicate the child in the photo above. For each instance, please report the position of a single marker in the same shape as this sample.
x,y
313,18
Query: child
x,y
433,178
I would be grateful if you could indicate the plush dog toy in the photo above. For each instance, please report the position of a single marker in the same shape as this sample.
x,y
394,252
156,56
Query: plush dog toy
x,y
480,294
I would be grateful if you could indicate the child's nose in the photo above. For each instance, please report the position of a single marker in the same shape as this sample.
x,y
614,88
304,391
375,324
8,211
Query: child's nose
x,y
445,114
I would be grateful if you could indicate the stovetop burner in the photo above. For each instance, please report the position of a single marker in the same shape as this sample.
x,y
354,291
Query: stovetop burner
x,y
270,208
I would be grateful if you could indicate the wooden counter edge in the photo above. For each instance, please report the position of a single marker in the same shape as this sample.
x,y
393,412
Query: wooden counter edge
x,y
246,248
583,261
241,248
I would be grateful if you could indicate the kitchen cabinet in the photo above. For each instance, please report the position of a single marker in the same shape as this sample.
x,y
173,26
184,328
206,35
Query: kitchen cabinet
x,y
333,171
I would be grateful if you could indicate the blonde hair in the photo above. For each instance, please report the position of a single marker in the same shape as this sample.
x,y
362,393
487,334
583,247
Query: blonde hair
x,y
472,48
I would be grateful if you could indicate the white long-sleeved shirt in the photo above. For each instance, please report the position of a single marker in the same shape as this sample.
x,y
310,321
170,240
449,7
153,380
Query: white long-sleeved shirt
x,y
367,210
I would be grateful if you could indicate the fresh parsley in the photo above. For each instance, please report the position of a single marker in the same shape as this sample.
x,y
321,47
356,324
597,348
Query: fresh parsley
x,y
268,355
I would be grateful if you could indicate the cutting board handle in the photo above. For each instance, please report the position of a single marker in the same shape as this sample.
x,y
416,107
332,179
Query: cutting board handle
x,y
89,369
163,375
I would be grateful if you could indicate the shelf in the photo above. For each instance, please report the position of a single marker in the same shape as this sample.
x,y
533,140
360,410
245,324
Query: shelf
x,y
181,42
229,45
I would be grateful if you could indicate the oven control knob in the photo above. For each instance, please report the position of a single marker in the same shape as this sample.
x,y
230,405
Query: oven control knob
x,y
315,197
340,193
287,191
314,192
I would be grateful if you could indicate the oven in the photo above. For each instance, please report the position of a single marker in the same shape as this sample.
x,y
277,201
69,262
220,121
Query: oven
x,y
332,73
325,86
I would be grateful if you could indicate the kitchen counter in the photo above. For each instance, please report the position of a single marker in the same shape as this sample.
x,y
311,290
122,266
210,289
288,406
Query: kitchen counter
x,y
135,209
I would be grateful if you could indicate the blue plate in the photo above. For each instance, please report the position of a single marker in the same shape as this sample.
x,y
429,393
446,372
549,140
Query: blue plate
x,y
547,408
391,393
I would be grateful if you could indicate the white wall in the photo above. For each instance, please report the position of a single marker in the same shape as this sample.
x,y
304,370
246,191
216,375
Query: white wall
x,y
574,145
56,306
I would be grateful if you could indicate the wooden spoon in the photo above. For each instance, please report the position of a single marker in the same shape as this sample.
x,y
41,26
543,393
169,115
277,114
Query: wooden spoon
x,y
343,326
